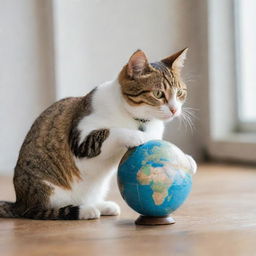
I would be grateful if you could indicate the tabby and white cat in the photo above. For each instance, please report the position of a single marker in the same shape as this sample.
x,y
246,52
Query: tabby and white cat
x,y
73,148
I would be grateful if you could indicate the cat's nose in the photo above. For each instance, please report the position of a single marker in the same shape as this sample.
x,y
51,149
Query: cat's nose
x,y
173,110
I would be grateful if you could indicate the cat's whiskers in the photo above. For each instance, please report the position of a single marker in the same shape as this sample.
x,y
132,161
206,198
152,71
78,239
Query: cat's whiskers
x,y
191,112
186,118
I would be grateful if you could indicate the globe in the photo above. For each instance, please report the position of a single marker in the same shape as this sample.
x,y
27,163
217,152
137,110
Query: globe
x,y
155,179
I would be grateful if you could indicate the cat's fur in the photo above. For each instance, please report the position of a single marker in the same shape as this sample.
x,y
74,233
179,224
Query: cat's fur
x,y
73,148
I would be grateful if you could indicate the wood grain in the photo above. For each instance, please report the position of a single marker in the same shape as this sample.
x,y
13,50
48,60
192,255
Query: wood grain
x,y
219,218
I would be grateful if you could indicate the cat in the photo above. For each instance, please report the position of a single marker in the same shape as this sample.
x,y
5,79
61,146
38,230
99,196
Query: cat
x,y
73,148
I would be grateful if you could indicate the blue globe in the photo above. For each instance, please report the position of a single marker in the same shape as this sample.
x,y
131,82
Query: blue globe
x,y
155,178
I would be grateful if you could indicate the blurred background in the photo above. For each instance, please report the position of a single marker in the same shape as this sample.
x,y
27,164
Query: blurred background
x,y
51,49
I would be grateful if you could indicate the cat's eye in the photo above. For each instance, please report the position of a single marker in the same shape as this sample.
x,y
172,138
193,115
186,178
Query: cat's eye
x,y
158,94
179,93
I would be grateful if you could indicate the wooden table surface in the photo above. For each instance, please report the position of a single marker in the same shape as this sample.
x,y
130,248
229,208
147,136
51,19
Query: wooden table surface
x,y
219,218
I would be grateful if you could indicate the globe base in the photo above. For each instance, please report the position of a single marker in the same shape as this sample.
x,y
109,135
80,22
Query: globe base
x,y
153,221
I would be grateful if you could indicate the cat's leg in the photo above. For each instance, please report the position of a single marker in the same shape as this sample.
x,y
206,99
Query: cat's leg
x,y
108,208
122,139
105,143
93,203
155,130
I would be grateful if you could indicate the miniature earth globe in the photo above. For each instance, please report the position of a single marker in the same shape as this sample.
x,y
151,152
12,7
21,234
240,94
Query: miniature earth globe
x,y
155,179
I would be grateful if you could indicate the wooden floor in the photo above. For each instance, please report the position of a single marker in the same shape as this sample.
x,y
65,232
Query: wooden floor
x,y
219,218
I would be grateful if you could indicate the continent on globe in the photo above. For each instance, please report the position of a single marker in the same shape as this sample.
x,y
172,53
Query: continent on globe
x,y
159,179
157,172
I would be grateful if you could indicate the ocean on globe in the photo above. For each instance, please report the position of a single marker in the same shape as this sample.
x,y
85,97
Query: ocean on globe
x,y
155,178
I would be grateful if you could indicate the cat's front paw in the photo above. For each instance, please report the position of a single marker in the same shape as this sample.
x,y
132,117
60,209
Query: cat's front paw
x,y
192,164
88,213
134,139
109,208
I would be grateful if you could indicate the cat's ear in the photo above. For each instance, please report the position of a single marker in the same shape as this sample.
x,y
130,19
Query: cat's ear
x,y
137,65
176,61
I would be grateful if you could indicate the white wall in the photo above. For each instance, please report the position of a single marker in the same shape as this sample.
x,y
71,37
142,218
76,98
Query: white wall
x,y
26,80
94,39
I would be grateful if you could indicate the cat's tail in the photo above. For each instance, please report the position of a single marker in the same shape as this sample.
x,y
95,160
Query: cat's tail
x,y
8,210
69,212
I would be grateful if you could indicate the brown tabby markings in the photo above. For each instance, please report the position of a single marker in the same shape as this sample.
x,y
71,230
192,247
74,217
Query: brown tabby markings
x,y
6,208
91,146
46,156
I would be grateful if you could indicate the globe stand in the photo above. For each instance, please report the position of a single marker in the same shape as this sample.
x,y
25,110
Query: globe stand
x,y
153,221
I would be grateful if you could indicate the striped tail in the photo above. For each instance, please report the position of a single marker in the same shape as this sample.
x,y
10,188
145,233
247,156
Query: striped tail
x,y
69,212
8,210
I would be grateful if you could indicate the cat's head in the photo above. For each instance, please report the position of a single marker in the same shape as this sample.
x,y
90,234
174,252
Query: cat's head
x,y
154,90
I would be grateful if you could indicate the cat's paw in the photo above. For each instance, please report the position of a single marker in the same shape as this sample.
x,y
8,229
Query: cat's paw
x,y
192,164
88,213
134,139
109,208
